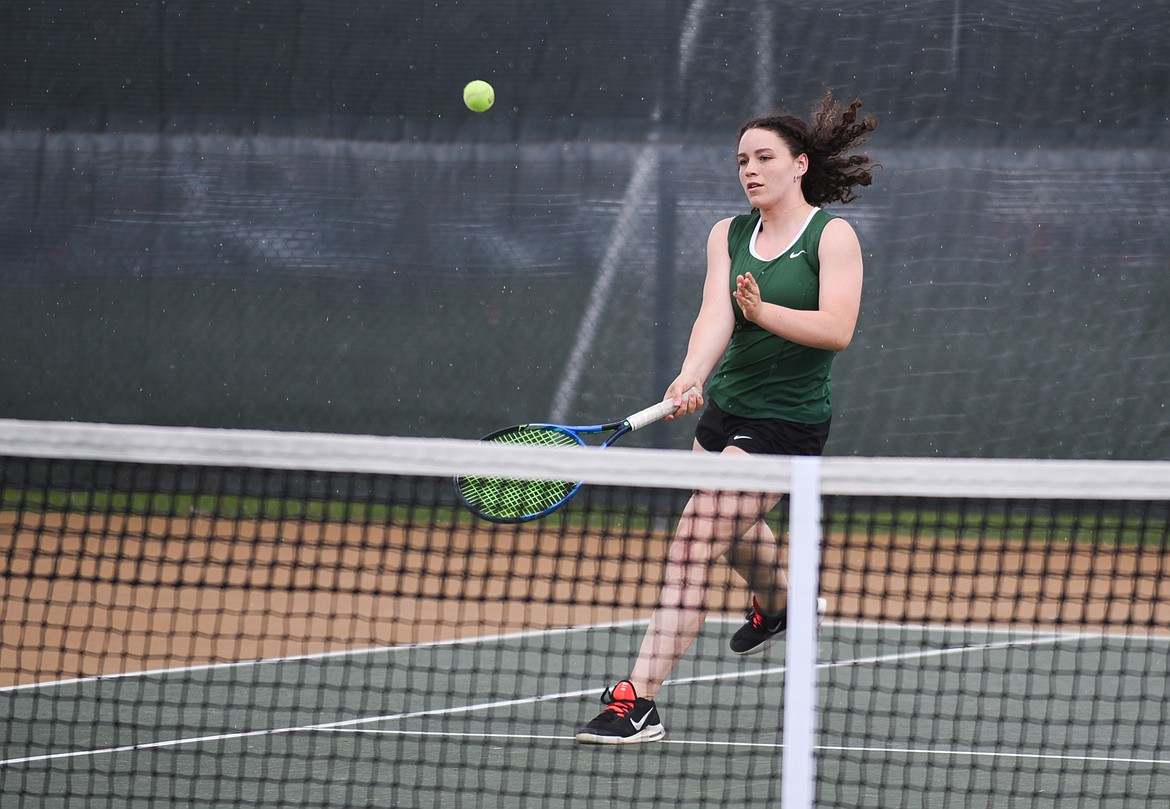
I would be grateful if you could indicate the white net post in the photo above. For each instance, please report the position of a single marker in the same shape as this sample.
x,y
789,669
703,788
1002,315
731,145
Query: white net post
x,y
798,779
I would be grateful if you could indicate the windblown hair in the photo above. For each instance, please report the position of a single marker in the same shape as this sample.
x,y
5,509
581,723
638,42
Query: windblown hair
x,y
831,133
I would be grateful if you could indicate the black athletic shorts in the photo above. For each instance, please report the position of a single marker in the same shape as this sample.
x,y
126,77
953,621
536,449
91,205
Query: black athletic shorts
x,y
717,430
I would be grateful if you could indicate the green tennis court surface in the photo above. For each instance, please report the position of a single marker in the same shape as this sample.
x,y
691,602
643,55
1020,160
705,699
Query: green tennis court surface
x,y
491,721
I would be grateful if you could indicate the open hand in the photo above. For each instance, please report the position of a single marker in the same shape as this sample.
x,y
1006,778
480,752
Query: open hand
x,y
747,295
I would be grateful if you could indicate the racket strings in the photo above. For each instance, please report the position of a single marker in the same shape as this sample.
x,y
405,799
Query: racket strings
x,y
518,498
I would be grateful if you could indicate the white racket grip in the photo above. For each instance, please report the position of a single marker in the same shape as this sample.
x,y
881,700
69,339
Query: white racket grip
x,y
655,412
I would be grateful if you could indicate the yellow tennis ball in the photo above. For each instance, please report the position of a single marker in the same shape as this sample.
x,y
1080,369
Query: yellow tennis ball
x,y
479,96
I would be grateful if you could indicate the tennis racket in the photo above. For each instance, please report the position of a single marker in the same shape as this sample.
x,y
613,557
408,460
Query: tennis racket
x,y
514,500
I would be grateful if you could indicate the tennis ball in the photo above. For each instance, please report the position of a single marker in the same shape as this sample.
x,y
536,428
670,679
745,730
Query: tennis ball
x,y
479,96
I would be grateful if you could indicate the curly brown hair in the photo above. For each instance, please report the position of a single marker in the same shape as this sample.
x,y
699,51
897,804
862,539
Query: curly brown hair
x,y
832,132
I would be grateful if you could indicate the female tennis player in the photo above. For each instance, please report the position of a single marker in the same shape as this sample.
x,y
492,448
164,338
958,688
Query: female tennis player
x,y
780,299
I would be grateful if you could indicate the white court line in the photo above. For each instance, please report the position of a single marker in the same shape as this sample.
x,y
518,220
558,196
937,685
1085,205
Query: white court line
x,y
823,748
1070,634
487,706
935,752
509,737
874,659
372,650
1014,631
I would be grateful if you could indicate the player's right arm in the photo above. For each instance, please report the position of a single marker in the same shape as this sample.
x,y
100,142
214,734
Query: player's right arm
x,y
713,325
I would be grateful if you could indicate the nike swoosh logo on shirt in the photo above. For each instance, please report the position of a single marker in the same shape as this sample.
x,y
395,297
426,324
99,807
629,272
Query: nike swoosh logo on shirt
x,y
797,255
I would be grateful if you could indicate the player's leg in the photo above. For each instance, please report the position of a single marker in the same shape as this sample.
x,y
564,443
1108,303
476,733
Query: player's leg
x,y
710,523
709,526
756,559
756,555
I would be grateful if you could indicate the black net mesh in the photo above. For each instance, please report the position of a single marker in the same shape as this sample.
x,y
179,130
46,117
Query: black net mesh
x,y
266,634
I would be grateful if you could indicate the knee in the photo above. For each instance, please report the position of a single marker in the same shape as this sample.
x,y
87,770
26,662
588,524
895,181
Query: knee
x,y
689,558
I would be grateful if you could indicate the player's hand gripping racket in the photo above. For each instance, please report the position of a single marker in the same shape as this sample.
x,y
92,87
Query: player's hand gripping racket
x,y
512,500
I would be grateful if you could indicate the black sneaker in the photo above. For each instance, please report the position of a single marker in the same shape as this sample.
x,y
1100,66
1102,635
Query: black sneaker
x,y
761,631
628,719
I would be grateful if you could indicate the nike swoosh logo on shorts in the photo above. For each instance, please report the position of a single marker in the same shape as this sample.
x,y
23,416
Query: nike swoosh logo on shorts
x,y
743,437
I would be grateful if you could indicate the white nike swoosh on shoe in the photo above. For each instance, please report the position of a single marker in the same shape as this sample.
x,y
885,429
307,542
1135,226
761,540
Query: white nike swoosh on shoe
x,y
641,722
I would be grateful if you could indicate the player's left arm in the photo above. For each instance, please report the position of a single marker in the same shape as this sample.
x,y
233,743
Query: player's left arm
x,y
832,323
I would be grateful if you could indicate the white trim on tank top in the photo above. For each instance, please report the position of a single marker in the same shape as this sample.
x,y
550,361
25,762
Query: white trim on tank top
x,y
759,226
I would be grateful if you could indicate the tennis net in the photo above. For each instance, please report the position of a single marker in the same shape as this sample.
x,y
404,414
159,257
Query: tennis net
x,y
219,618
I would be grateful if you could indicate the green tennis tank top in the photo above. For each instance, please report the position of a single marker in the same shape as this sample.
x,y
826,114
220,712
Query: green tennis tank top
x,y
763,376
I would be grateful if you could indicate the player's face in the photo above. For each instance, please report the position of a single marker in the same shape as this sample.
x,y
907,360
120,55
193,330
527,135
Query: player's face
x,y
767,168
